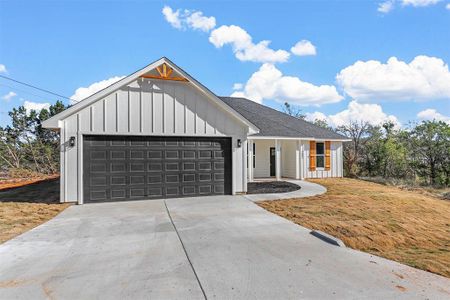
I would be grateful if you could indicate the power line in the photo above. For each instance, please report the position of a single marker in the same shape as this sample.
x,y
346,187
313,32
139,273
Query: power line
x,y
37,88
25,91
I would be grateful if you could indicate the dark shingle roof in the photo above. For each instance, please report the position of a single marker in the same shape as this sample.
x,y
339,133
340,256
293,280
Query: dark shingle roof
x,y
275,123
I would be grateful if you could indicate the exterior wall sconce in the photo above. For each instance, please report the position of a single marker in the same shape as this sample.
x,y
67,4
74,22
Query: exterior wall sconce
x,y
72,141
239,143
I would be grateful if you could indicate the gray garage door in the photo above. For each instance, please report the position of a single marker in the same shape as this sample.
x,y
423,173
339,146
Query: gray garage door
x,y
117,168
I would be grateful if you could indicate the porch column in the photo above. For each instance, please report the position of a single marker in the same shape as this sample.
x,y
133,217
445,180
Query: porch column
x,y
277,160
250,160
297,160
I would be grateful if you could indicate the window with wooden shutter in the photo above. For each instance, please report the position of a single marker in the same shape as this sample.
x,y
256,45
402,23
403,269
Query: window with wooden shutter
x,y
312,155
327,155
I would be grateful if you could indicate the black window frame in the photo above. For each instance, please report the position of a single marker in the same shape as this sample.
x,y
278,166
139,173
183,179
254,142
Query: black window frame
x,y
322,155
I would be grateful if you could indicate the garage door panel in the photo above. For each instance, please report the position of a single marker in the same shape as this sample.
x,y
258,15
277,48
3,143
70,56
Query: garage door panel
x,y
118,194
172,166
118,168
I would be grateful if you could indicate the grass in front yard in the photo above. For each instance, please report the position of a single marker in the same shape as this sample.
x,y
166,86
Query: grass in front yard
x,y
26,207
408,227
16,218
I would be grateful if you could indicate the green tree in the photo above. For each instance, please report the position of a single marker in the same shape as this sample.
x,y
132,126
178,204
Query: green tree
x,y
24,144
322,123
431,143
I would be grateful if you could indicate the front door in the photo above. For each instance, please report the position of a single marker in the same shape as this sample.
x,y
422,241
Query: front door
x,y
272,161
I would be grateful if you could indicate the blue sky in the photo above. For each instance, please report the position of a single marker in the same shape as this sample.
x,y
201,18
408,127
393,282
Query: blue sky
x,y
65,45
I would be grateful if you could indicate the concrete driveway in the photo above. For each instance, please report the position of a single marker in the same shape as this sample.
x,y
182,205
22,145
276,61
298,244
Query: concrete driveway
x,y
221,247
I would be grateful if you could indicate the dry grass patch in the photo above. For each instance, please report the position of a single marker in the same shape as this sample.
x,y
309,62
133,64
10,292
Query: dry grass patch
x,y
16,218
28,206
408,227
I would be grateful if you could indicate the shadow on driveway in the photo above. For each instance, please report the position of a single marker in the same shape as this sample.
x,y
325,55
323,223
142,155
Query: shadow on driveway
x,y
46,191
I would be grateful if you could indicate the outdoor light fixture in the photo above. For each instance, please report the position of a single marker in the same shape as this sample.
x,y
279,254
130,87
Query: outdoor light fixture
x,y
72,141
239,143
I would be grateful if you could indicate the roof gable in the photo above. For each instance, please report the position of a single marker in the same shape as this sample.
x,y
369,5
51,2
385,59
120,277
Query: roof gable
x,y
153,70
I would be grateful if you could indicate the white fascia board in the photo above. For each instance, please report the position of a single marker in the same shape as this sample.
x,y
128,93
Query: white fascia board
x,y
53,122
295,138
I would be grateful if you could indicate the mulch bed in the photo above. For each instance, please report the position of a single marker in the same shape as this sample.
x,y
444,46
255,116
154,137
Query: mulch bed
x,y
270,187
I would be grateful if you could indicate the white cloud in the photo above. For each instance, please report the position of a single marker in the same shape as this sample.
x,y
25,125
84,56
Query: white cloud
x,y
304,48
356,112
269,83
447,6
317,115
173,17
243,46
419,3
240,41
9,96
84,92
29,105
424,78
238,86
192,19
197,21
3,69
432,114
386,6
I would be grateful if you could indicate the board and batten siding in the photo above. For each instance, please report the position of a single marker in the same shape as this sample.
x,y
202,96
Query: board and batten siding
x,y
336,167
288,153
288,149
148,107
262,158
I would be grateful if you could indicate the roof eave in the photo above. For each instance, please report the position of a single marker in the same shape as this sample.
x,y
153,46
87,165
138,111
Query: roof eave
x,y
262,137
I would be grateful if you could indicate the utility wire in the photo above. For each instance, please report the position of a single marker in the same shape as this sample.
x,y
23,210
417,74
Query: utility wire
x,y
37,88
26,92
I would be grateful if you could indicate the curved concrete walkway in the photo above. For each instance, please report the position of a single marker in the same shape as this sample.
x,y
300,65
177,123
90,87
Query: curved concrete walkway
x,y
307,189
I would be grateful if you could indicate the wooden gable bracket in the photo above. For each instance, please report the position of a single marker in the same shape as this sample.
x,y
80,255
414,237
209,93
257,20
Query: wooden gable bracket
x,y
165,73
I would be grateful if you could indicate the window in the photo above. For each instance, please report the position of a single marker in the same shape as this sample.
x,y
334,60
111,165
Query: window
x,y
320,155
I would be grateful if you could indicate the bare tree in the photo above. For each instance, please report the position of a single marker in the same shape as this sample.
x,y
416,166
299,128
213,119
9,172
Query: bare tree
x,y
352,151
293,111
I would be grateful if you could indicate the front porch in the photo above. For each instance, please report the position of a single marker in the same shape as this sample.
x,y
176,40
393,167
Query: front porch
x,y
294,158
275,158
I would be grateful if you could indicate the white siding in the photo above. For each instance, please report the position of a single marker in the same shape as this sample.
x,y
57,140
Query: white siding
x,y
262,158
336,168
147,107
288,152
288,148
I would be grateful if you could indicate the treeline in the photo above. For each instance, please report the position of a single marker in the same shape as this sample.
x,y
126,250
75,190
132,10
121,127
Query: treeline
x,y
419,154
27,149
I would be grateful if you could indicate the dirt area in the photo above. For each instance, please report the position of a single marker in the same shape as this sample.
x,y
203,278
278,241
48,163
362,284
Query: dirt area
x,y
268,187
26,207
405,226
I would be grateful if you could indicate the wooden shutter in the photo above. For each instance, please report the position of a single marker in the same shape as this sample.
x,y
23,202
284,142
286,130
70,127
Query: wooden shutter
x,y
312,155
327,155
